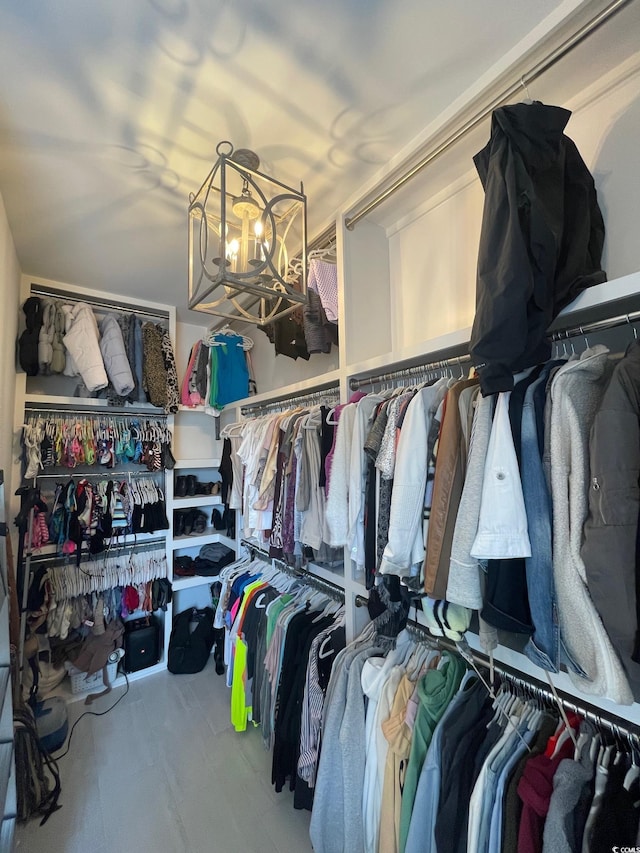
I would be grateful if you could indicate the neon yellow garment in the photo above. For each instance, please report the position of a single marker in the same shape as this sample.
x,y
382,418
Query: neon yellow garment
x,y
239,710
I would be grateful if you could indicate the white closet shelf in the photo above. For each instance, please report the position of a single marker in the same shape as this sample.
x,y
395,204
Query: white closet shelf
x,y
210,535
90,402
601,294
197,463
196,500
314,383
190,583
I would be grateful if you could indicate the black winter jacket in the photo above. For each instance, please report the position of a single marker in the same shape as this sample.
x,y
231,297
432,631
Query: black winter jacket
x,y
541,239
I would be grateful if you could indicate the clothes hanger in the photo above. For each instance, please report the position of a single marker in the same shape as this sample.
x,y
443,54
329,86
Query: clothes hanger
x,y
209,338
328,254
233,430
528,100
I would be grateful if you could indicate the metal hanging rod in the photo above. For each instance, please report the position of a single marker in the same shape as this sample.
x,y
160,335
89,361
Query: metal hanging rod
x,y
70,473
557,335
96,302
112,551
615,722
409,372
302,574
543,65
93,411
285,403
596,326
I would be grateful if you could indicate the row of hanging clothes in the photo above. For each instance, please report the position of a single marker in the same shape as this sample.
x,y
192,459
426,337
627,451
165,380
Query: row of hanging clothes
x,y
421,752
84,514
313,326
219,371
68,598
282,635
72,440
522,506
120,357
286,463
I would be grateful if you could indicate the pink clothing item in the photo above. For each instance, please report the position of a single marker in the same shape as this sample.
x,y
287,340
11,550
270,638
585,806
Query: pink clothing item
x,y
323,278
187,398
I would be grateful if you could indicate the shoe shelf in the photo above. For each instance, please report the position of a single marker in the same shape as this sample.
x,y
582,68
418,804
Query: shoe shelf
x,y
196,500
190,583
195,540
197,463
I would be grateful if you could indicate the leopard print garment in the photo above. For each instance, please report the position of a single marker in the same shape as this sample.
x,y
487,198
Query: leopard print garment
x,y
154,373
173,390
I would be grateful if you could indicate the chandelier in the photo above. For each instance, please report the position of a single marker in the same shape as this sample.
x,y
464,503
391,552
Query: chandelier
x,y
245,230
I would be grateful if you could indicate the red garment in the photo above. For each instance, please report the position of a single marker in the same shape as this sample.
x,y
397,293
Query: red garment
x,y
535,789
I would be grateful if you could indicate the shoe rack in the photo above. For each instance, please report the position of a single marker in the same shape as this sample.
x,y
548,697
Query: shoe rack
x,y
201,481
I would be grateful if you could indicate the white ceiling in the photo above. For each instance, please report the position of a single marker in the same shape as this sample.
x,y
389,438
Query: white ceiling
x,y
110,112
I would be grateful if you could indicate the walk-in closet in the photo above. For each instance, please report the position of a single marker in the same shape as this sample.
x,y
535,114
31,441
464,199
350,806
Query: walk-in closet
x,y
320,427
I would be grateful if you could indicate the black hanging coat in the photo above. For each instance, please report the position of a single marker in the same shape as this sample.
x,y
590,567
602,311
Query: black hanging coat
x,y
541,239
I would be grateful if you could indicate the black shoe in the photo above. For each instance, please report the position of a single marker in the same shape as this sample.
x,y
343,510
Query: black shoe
x,y
192,481
204,488
199,523
181,487
189,518
218,654
178,522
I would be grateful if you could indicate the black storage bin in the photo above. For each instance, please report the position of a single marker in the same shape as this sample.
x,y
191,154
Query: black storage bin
x,y
141,644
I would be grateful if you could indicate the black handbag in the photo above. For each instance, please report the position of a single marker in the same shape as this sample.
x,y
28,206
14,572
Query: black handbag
x,y
191,641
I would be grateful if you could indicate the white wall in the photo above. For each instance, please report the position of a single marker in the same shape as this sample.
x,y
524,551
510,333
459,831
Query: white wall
x,y
10,288
433,251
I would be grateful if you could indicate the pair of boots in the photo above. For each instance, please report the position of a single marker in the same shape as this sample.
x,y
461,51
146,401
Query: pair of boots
x,y
189,486
188,521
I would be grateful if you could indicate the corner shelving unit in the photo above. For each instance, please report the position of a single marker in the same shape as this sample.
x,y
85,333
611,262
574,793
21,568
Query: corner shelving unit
x,y
191,544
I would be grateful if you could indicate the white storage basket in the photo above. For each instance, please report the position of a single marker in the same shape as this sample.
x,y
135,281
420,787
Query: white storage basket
x,y
82,683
